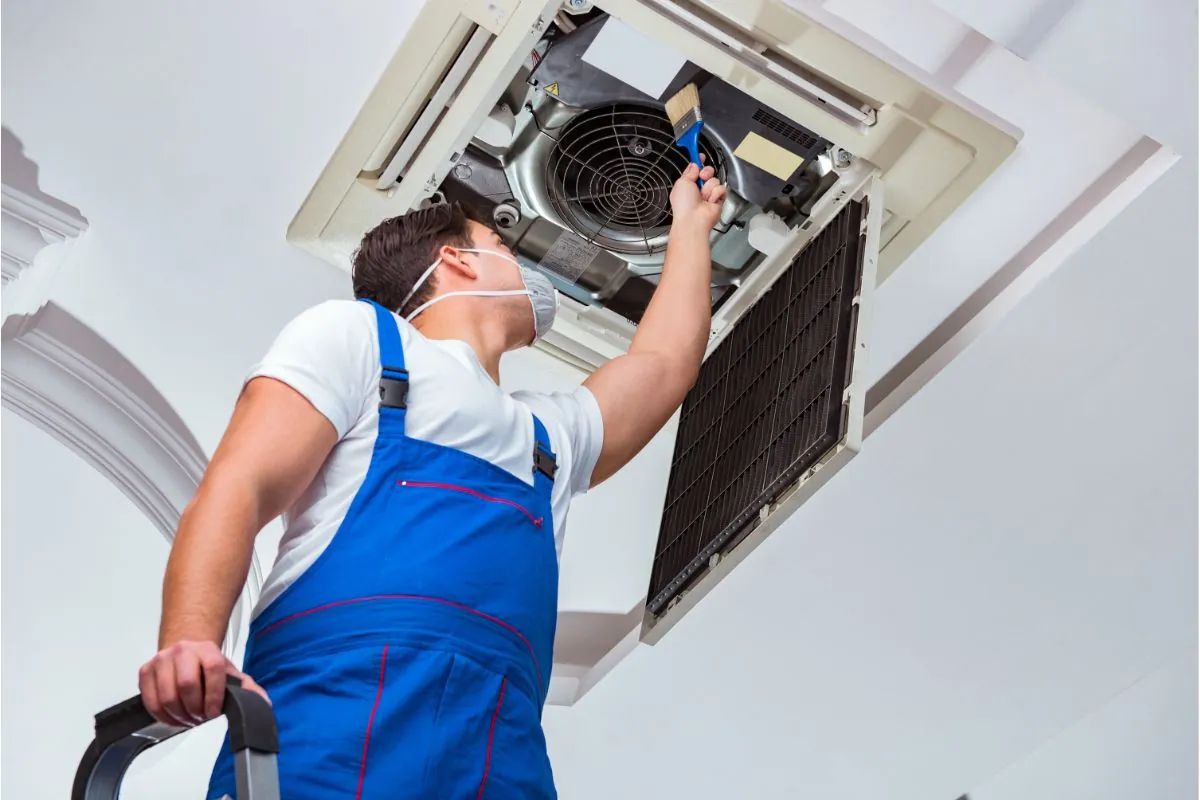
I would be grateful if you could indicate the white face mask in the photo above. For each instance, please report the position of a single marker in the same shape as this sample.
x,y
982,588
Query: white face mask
x,y
542,296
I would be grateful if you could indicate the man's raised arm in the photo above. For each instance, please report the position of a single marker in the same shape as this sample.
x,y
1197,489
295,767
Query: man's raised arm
x,y
639,391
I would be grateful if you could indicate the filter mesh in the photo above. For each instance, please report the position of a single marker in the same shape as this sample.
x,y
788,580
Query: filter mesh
x,y
766,407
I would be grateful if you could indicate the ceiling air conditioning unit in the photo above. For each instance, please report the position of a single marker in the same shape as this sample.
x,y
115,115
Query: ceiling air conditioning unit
x,y
549,117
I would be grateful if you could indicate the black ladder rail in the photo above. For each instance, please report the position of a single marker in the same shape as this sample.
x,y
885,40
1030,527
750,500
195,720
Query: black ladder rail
x,y
126,729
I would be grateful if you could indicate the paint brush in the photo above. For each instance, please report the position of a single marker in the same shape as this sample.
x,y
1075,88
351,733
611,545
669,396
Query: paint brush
x,y
684,112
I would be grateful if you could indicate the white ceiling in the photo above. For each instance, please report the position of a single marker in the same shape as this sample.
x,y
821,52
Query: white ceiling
x,y
1012,550
1141,744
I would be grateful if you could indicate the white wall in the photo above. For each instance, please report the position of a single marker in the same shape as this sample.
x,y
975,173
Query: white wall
x,y
191,134
1011,550
81,576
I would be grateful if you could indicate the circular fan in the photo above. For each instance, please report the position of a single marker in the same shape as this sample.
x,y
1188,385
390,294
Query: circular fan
x,y
611,172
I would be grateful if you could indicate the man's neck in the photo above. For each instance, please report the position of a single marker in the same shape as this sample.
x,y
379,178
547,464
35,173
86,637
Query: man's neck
x,y
463,320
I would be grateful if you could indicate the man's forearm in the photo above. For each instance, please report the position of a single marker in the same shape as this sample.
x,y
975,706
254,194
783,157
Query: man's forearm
x,y
208,564
638,392
676,322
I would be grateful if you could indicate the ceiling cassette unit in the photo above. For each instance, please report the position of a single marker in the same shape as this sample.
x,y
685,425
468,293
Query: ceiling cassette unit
x,y
548,117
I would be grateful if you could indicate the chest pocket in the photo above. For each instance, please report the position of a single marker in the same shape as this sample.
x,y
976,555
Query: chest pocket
x,y
534,519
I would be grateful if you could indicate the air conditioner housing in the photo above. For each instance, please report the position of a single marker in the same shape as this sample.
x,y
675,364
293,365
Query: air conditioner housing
x,y
839,165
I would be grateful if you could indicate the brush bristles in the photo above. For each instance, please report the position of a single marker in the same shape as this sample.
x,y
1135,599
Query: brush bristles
x,y
684,125
684,105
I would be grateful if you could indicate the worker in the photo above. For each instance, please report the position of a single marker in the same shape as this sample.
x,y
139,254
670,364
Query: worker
x,y
405,633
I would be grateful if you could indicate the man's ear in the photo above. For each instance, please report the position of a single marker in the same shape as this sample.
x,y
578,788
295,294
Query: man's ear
x,y
452,257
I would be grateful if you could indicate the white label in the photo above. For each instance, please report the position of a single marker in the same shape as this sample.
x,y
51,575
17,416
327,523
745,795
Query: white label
x,y
569,256
634,58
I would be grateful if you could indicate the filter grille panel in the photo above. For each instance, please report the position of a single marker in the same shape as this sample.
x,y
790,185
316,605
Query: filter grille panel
x,y
766,407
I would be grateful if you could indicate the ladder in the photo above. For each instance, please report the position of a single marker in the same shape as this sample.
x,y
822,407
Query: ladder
x,y
126,729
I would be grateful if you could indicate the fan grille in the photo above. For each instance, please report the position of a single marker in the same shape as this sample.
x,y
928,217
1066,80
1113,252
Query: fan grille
x,y
611,172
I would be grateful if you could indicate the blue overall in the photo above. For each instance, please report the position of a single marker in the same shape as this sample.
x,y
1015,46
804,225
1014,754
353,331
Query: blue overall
x,y
412,659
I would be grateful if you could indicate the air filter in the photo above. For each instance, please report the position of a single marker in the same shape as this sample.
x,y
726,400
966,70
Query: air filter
x,y
767,406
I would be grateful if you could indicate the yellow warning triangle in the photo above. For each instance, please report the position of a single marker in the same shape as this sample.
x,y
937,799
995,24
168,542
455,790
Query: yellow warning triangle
x,y
552,89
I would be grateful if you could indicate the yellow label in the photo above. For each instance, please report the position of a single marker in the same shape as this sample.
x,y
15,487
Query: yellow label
x,y
552,89
768,156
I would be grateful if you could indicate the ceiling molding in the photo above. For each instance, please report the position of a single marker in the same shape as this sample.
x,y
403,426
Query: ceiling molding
x,y
56,372
29,226
31,221
62,376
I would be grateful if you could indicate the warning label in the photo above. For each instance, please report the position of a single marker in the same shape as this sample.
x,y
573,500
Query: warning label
x,y
569,256
552,89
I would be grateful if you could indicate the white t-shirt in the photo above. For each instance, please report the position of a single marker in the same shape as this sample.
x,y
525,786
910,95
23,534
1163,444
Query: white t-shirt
x,y
330,355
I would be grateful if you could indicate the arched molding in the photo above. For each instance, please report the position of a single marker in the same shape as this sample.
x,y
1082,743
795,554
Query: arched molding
x,y
66,379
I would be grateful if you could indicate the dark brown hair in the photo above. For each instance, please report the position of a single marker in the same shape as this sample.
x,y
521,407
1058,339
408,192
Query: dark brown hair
x,y
393,255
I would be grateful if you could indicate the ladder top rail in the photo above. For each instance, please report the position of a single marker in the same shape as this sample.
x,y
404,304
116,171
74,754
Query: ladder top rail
x,y
126,729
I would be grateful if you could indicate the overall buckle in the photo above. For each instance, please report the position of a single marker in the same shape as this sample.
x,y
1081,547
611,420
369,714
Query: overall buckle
x,y
393,392
544,462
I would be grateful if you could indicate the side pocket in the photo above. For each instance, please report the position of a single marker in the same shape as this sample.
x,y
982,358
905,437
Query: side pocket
x,y
467,761
430,767
517,764
391,740
366,753
487,760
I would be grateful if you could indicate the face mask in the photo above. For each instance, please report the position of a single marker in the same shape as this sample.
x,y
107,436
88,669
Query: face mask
x,y
542,296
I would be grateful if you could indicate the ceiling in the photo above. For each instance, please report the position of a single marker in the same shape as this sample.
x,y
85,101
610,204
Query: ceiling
x,y
1013,550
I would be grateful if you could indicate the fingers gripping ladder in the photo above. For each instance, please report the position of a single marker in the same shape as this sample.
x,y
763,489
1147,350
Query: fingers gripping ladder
x,y
126,729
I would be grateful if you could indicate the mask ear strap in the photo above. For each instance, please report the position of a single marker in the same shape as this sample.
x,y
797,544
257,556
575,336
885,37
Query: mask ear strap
x,y
420,282
465,293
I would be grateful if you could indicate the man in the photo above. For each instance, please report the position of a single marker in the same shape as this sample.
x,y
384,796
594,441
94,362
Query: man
x,y
405,633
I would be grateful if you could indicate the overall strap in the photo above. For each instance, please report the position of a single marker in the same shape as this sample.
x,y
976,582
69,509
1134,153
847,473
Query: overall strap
x,y
393,381
545,463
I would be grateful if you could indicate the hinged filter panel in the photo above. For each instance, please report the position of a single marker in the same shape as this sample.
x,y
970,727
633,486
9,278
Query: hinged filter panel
x,y
769,405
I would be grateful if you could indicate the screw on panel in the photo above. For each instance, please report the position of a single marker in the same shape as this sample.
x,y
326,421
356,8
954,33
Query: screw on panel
x,y
434,199
463,172
578,6
505,215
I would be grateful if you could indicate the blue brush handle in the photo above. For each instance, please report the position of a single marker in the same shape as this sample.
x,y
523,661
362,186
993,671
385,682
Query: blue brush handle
x,y
690,141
